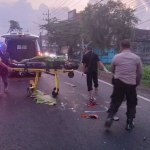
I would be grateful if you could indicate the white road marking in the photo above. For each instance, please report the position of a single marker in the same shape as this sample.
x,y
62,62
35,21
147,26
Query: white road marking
x,y
146,99
99,111
84,95
141,97
72,85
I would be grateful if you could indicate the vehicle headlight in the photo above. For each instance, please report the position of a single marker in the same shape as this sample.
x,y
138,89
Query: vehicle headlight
x,y
46,54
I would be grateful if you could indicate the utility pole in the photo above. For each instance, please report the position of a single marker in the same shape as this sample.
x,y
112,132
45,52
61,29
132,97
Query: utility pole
x,y
48,16
41,41
48,20
82,46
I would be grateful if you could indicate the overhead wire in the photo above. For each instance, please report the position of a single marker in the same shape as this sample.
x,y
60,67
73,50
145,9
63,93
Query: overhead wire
x,y
143,22
53,3
59,6
138,5
142,8
63,7
137,8
77,3
130,2
70,7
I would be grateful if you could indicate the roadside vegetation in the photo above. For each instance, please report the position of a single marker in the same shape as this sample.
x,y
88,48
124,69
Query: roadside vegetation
x,y
146,73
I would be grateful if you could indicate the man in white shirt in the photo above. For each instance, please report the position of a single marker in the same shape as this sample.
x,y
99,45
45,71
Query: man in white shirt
x,y
127,69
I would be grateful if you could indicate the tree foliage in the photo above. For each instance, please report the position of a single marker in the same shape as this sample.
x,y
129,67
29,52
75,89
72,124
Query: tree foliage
x,y
63,32
14,26
107,24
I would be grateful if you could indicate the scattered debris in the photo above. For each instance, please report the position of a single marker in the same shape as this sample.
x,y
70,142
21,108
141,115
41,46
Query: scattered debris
x,y
116,118
91,104
83,115
93,116
144,138
72,109
63,105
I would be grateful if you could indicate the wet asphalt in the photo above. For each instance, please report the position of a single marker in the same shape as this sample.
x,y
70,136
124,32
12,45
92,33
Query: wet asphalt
x,y
25,125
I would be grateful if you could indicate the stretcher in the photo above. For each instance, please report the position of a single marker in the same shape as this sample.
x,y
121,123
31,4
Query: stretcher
x,y
39,67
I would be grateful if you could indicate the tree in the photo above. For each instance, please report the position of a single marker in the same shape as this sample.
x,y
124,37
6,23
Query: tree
x,y
14,26
107,24
63,33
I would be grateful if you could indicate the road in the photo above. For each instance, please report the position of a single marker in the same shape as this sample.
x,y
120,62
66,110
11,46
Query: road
x,y
25,125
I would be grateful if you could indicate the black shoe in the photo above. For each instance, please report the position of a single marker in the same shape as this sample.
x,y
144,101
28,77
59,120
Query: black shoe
x,y
130,124
108,122
92,100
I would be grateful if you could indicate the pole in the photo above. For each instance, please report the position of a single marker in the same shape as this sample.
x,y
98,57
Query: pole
x,y
41,41
48,24
48,20
48,17
82,49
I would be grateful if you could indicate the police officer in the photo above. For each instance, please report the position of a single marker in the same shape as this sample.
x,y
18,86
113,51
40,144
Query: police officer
x,y
127,69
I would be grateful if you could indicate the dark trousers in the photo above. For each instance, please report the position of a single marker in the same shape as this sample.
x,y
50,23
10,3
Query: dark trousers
x,y
5,81
92,77
121,90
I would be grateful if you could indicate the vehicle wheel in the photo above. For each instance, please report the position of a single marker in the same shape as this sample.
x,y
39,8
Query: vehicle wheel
x,y
40,74
29,91
71,74
54,94
55,89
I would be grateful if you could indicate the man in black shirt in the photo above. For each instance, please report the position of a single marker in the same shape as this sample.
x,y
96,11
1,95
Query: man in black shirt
x,y
4,67
90,61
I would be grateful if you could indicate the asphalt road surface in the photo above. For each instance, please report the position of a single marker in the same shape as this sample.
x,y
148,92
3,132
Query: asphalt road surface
x,y
25,125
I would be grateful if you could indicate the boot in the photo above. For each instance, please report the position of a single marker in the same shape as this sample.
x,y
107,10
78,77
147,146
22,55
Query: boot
x,y
130,124
108,122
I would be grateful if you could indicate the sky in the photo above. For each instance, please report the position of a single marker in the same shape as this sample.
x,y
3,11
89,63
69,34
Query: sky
x,y
29,13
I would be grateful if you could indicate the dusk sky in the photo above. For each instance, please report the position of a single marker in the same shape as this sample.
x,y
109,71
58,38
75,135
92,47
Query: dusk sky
x,y
26,12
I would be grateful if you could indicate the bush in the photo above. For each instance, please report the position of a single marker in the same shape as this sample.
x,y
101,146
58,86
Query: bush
x,y
146,74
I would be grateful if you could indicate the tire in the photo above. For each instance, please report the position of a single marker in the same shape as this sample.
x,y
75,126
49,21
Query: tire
x,y
40,74
29,91
54,94
55,89
71,74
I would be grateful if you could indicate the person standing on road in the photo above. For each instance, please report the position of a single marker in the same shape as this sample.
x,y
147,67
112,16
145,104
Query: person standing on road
x,y
90,63
4,67
127,69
